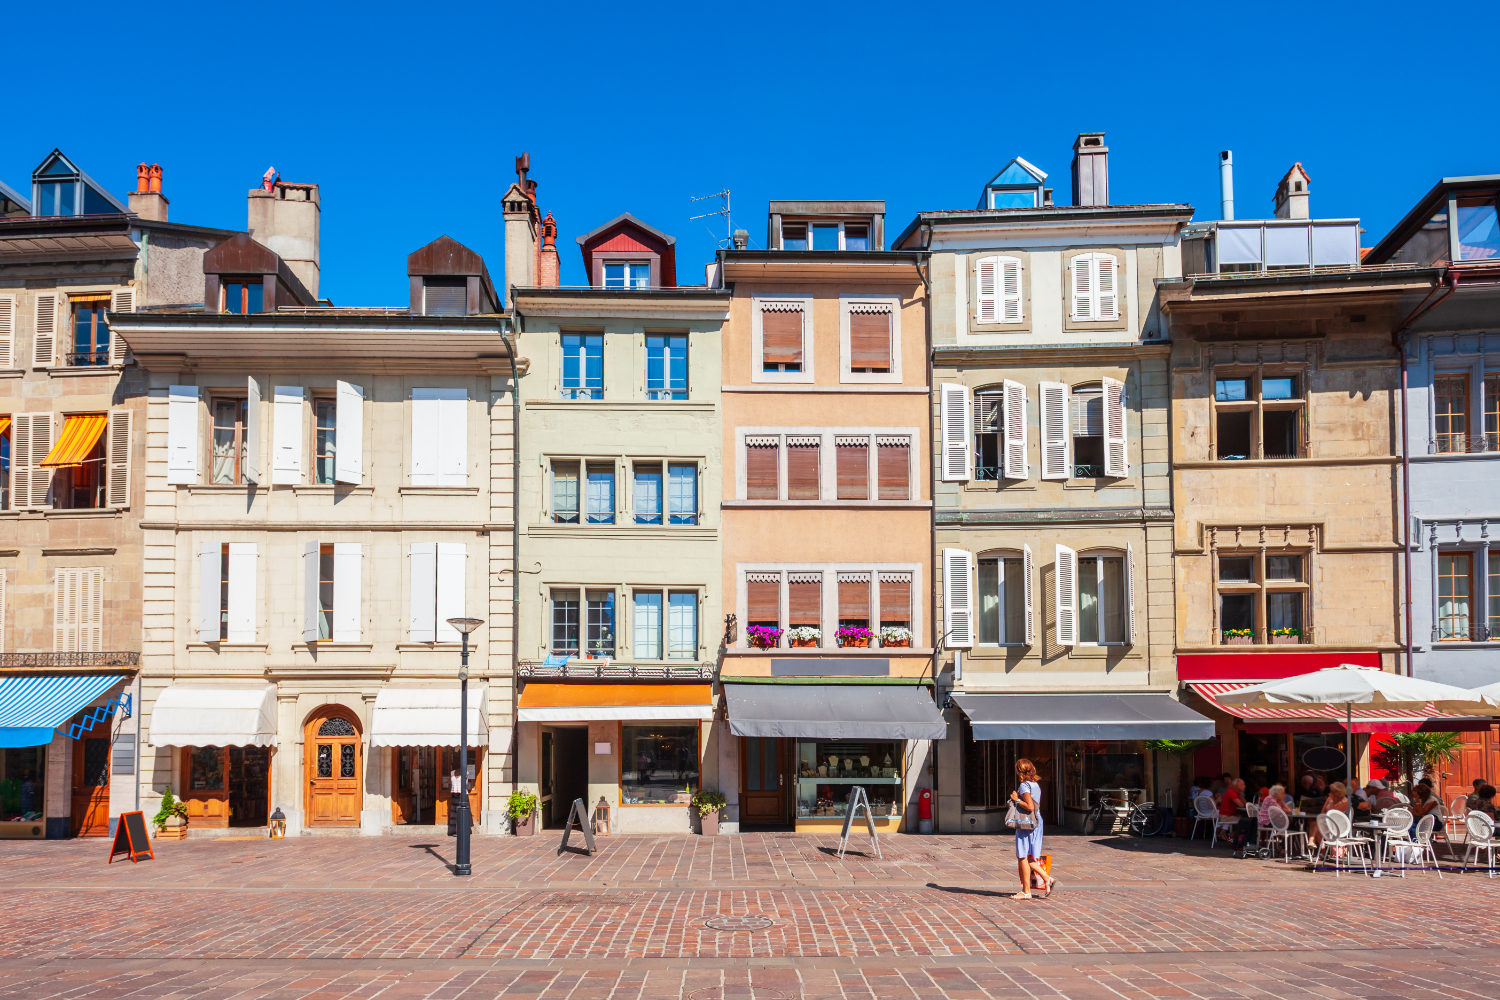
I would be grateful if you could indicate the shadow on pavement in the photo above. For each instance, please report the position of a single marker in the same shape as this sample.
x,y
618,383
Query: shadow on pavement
x,y
959,890
429,849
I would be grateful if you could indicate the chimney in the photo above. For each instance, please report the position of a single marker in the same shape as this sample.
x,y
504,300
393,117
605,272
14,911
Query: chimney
x,y
522,221
286,219
1226,185
1090,169
741,239
146,200
1291,194
548,268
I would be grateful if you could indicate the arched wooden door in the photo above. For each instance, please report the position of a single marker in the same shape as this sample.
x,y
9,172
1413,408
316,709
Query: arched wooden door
x,y
334,762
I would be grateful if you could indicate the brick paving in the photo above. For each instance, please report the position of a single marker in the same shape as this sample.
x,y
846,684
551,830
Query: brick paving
x,y
732,918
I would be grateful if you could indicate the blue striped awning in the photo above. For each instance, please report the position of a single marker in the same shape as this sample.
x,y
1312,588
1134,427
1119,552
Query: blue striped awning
x,y
32,707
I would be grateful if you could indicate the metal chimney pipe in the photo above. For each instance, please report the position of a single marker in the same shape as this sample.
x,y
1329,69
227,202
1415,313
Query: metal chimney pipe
x,y
1226,185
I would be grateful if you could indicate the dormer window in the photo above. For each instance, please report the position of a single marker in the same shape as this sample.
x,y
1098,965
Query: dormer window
x,y
242,296
446,296
59,188
619,274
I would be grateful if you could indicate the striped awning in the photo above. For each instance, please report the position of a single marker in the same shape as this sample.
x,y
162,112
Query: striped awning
x,y
1329,718
80,433
4,422
32,707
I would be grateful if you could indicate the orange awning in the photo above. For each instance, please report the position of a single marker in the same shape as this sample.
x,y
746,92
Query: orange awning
x,y
78,438
4,422
559,702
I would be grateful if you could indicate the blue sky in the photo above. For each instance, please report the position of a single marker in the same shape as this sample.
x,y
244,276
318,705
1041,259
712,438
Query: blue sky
x,y
410,116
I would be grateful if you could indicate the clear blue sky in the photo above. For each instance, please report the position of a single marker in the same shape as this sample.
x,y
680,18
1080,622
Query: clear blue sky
x,y
410,116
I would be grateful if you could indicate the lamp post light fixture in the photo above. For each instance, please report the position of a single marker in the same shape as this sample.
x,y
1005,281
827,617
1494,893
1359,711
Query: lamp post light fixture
x,y
461,818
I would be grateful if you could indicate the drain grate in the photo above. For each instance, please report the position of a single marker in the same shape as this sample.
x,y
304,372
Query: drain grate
x,y
738,922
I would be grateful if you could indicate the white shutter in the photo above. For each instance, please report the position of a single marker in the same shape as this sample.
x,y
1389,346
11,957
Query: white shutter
x,y
124,302
210,569
7,332
452,558
90,609
252,430
241,591
182,434
1106,287
311,582
1055,430
2,610
1116,457
44,331
1010,290
985,269
453,443
350,421
20,461
346,588
1129,593
1026,565
957,445
65,611
1065,595
117,459
286,435
1013,419
38,476
1083,287
958,599
424,437
423,569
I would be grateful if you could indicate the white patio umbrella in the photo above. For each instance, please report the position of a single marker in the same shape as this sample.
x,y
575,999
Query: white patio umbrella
x,y
1350,685
1488,691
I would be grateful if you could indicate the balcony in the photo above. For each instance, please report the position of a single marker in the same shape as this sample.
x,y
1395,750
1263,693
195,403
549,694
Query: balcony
x,y
586,670
73,661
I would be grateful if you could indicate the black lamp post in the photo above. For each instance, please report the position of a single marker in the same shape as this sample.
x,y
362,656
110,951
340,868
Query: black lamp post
x,y
461,819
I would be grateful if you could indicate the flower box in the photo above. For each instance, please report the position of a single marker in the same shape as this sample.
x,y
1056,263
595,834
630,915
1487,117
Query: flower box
x,y
858,643
804,643
895,643
1239,640
1285,640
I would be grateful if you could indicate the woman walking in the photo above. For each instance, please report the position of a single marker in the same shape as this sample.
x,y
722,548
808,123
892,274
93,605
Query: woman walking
x,y
1027,800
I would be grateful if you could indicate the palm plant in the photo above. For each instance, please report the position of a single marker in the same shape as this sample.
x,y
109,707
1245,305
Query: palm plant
x,y
1408,753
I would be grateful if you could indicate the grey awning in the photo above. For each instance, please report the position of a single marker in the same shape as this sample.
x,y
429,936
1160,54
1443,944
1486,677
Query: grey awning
x,y
834,711
1082,717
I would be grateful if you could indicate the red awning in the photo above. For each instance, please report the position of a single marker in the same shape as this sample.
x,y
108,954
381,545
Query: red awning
x,y
1331,718
1194,668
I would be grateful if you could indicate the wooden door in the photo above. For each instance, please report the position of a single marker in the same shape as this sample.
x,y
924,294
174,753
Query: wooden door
x,y
762,780
449,756
91,787
332,755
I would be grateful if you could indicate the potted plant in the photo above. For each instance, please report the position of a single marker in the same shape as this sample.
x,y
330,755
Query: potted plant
x,y
853,636
1285,636
522,811
894,636
763,636
803,636
171,819
1239,636
709,805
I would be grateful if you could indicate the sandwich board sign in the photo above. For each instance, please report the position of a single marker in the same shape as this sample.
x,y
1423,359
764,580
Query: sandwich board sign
x,y
131,840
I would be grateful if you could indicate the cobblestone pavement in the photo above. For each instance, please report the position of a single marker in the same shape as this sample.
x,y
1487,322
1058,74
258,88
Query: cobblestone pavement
x,y
732,918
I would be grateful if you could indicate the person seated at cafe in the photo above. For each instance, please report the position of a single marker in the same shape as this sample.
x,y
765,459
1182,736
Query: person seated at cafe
x,y
1423,801
1274,799
1320,785
1305,786
1472,801
1486,803
1200,785
1336,801
1383,797
1233,804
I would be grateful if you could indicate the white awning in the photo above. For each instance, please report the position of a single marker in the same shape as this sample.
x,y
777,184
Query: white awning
x,y
428,717
214,717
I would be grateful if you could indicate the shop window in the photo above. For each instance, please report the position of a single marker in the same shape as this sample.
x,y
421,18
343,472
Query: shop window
x,y
583,366
1002,602
565,623
1455,590
227,462
666,366
206,769
22,784
658,764
1090,766
985,772
827,772
565,492
325,441
1258,416
600,624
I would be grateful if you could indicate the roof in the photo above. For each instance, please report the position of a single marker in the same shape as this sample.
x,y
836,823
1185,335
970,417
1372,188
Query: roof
x,y
1424,210
627,217
826,207
6,191
1296,169
447,256
87,237
242,254
1046,214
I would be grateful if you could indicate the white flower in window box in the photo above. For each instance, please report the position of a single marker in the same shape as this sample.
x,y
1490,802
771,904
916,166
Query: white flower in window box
x,y
804,635
895,635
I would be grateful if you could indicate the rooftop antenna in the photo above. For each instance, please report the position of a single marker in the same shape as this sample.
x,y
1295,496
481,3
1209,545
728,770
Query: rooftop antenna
x,y
723,196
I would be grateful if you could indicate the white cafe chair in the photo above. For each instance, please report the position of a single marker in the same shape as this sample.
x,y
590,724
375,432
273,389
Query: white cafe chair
x,y
1423,838
1457,810
1337,847
1222,822
1204,811
1281,829
1397,840
1481,831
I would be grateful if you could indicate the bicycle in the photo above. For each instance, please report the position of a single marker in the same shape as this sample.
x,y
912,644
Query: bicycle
x,y
1145,820
1104,803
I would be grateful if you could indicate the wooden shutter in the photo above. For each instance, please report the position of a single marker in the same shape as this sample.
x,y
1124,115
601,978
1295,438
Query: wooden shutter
x,y
762,468
1083,287
854,596
349,418
90,609
182,435
424,437
21,460
1014,457
65,611
347,577
804,599
7,332
895,598
252,430
870,336
286,435
1010,289
762,597
38,478
1065,595
781,333
452,566
117,459
1129,586
893,467
44,331
853,462
312,581
1116,457
1026,566
1106,286
78,610
1055,430
123,302
803,471
953,413
423,570
210,582
242,579
453,437
2,610
986,279
958,602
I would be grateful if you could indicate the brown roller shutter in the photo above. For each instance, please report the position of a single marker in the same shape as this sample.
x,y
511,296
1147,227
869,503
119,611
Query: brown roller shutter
x,y
802,470
870,339
895,601
763,600
854,468
805,600
781,333
762,472
893,466
854,599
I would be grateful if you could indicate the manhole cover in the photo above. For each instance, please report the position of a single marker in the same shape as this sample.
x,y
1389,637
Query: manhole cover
x,y
738,993
738,922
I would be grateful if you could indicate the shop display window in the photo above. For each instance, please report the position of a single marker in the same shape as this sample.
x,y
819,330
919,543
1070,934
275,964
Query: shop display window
x,y
990,771
658,764
828,771
22,784
206,770
1095,764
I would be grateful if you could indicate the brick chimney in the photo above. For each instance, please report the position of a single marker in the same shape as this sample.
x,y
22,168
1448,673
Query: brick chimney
x,y
548,268
287,219
521,223
146,200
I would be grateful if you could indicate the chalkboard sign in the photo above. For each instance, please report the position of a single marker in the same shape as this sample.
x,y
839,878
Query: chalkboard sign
x,y
1324,758
579,814
131,840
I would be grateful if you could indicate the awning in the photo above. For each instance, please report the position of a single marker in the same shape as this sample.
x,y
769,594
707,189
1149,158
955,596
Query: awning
x,y
428,717
1082,717
834,711
214,717
1331,718
31,708
79,435
4,422
543,702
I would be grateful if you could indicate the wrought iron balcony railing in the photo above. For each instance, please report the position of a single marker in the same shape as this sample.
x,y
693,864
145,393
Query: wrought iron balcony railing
x,y
75,660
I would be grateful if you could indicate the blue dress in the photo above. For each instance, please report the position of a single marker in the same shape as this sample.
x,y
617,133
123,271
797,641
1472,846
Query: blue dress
x,y
1029,842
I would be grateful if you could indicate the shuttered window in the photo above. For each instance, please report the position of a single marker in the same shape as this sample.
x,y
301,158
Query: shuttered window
x,y
802,474
870,337
763,599
954,418
1095,287
762,468
1056,438
895,599
958,603
781,336
853,467
117,486
804,599
7,332
78,610
893,467
854,599
998,290
446,296
30,480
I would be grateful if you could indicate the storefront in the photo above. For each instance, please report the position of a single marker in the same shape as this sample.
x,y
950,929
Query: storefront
x,y
224,740
417,728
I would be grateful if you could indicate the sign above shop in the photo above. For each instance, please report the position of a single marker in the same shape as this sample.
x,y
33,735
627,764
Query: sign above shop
x,y
823,667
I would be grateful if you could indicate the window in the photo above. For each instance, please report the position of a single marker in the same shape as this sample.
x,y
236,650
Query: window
x,y
658,764
856,236
323,608
82,486
1101,600
78,610
804,602
870,338
1478,229
242,296
763,600
853,461
647,630
439,436
997,285
439,574
601,493
666,366
893,467
1455,587
989,415
1262,597
1258,416
1492,413
682,625
794,236
762,468
228,459
623,275
583,366
1494,597
90,330
1088,432
5,464
803,468
565,492
445,296
206,769
600,623
1450,395
854,600
1095,291
895,600
781,336
226,598
648,494
806,235
325,441
1003,597
565,623
682,493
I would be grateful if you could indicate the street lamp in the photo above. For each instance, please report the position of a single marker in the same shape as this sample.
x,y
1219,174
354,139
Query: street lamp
x,y
461,820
